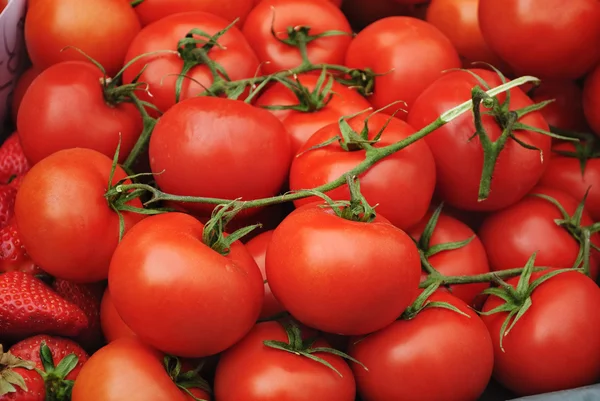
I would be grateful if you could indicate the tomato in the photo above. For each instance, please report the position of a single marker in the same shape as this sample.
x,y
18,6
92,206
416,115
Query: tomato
x,y
23,83
458,20
459,159
113,327
150,11
162,70
317,15
209,146
402,366
341,276
566,112
564,173
510,236
301,125
102,29
545,38
468,260
64,220
361,13
257,247
219,297
127,369
409,171
48,122
554,345
591,102
383,46
277,374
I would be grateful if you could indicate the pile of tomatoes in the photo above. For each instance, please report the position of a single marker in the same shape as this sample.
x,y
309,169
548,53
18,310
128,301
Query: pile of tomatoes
x,y
301,200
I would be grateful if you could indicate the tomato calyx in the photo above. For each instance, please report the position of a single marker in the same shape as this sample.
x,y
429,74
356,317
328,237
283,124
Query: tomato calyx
x,y
584,151
213,234
10,380
186,380
422,302
304,348
356,209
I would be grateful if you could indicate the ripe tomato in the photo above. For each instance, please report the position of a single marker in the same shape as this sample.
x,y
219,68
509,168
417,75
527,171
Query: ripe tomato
x,y
280,15
301,125
150,11
64,220
277,374
591,100
161,71
102,29
459,159
564,173
401,366
21,87
257,247
411,170
542,352
113,327
220,296
510,236
209,146
342,276
566,112
468,260
545,38
383,46
47,121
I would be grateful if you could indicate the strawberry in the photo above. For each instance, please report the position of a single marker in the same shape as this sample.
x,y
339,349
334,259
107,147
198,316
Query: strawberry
x,y
8,194
16,182
18,380
13,256
12,160
28,306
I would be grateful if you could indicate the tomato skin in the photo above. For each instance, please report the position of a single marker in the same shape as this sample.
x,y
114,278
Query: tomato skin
x,y
383,46
402,367
125,369
411,170
113,327
102,29
162,69
150,11
557,358
319,15
279,375
510,236
21,87
341,276
64,221
239,137
47,122
257,247
468,260
191,325
459,160
301,125
566,112
532,38
591,101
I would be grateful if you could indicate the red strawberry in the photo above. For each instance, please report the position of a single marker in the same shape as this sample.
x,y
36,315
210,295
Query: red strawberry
x,y
8,194
18,380
12,160
13,256
28,306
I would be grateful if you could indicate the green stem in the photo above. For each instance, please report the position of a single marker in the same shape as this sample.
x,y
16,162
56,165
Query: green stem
x,y
142,142
477,278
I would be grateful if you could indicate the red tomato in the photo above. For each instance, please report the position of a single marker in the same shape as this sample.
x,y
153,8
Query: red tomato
x,y
301,125
468,260
566,112
459,160
411,170
153,10
554,345
318,15
257,247
102,29
64,220
127,370
208,146
383,47
161,71
545,38
402,366
510,236
277,374
342,276
48,122
564,173
21,87
113,327
219,296
591,100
